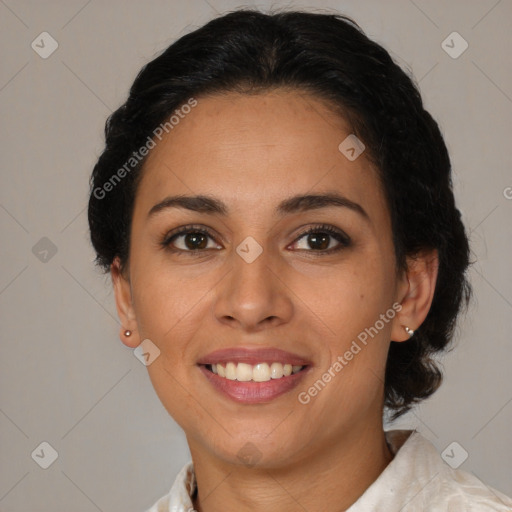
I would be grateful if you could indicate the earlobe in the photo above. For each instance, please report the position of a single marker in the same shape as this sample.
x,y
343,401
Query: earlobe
x,y
416,294
122,291
129,337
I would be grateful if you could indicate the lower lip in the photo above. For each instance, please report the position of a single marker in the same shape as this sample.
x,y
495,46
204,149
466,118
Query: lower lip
x,y
253,392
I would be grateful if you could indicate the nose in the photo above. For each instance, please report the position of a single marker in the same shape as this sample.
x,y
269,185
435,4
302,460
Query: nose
x,y
253,296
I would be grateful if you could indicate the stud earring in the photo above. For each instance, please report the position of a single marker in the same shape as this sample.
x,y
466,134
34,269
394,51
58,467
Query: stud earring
x,y
127,333
410,332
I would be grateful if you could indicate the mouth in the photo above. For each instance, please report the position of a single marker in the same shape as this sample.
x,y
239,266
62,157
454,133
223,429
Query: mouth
x,y
261,372
254,384
252,376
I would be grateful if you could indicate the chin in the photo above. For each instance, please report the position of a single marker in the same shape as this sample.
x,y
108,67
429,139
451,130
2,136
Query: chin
x,y
258,452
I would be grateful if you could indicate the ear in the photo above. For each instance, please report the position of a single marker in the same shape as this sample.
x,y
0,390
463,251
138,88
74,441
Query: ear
x,y
415,293
125,311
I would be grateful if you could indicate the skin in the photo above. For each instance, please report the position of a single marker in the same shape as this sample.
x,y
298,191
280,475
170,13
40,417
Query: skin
x,y
252,152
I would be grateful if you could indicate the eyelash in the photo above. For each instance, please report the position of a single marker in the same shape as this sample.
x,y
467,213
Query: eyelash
x,y
342,238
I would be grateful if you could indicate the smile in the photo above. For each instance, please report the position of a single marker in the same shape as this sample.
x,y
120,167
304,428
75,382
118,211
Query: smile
x,y
261,372
262,387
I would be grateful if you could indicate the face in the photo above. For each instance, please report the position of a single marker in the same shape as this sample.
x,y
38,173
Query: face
x,y
240,280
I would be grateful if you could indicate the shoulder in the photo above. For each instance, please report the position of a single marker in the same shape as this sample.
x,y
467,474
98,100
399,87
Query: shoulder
x,y
441,488
418,479
460,490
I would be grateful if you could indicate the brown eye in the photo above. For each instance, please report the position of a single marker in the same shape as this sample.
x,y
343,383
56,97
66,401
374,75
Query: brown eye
x,y
319,239
193,240
188,239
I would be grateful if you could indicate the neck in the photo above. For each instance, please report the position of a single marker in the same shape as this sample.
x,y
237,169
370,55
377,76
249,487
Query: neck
x,y
334,475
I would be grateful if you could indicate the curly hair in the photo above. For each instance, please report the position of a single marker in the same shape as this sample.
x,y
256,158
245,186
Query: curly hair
x,y
329,57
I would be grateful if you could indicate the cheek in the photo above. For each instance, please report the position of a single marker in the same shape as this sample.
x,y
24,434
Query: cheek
x,y
348,297
164,293
357,345
350,302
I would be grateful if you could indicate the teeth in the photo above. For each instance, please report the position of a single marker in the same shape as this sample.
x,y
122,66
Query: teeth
x,y
243,372
260,372
231,371
276,370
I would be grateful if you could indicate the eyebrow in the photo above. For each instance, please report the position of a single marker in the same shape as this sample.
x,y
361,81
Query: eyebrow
x,y
294,204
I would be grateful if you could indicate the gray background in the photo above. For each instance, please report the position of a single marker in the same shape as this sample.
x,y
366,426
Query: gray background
x,y
65,377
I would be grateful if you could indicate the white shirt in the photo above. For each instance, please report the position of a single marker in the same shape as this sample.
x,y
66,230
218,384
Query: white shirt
x,y
416,480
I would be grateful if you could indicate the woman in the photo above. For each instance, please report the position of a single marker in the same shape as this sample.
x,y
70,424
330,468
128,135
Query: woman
x,y
276,210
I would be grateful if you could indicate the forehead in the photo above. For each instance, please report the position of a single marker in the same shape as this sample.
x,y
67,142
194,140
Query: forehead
x,y
252,150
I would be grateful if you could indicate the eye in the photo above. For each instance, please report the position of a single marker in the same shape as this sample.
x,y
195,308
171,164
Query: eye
x,y
318,238
192,239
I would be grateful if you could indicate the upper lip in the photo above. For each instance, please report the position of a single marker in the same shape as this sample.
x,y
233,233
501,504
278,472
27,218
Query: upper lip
x,y
253,356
